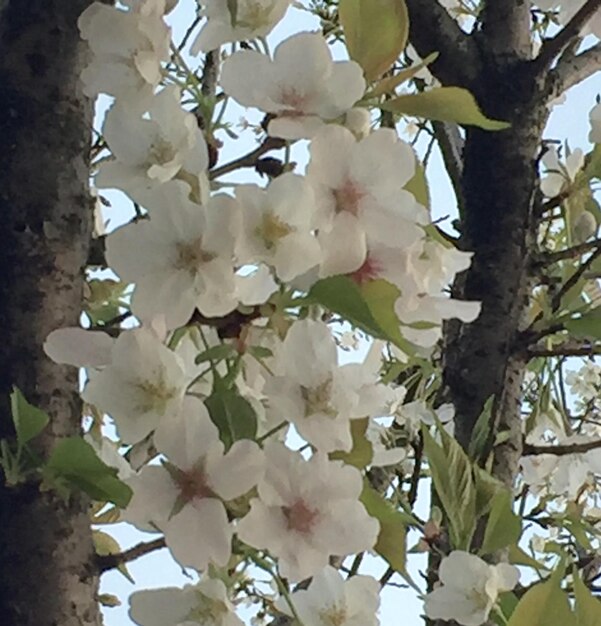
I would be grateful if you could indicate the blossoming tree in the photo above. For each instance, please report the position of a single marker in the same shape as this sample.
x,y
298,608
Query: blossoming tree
x,y
215,410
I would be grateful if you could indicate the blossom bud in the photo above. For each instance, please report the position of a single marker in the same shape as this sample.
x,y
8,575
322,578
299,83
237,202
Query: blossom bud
x,y
585,227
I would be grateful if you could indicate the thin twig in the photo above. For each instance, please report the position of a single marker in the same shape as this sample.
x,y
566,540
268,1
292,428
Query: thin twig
x,y
566,348
250,159
573,279
553,47
561,449
569,253
107,562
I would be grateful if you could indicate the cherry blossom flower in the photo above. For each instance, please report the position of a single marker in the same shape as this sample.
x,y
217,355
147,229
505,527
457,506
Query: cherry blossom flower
x,y
150,152
180,259
360,196
79,347
128,48
302,86
317,395
204,604
144,383
277,226
559,174
183,497
307,511
253,18
330,600
470,588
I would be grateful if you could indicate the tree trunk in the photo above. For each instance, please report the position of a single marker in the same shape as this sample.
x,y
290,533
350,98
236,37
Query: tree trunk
x,y
47,572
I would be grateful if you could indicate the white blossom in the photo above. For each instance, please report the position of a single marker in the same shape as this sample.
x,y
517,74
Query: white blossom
x,y
307,511
277,226
128,48
253,18
144,383
360,196
317,395
79,347
183,496
204,604
149,152
559,175
302,86
470,588
332,601
181,259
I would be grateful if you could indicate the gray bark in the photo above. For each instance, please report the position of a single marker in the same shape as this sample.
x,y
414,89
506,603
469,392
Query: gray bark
x,y
47,569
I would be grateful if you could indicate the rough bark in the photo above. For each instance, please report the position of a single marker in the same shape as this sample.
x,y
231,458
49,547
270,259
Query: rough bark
x,y
47,574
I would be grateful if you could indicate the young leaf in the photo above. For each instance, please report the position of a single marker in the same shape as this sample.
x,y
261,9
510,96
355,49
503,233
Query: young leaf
x,y
587,325
545,604
451,473
75,463
375,32
105,544
233,416
362,451
587,607
503,527
444,104
393,528
389,84
29,421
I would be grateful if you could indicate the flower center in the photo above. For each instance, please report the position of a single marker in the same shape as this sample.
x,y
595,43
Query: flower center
x,y
193,484
293,98
154,395
190,256
317,399
348,196
333,616
161,151
254,16
370,270
272,229
300,517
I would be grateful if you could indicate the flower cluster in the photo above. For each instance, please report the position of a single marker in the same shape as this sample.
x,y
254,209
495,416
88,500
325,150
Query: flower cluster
x,y
234,351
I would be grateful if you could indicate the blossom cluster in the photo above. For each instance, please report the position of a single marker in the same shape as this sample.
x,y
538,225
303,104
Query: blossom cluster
x,y
213,410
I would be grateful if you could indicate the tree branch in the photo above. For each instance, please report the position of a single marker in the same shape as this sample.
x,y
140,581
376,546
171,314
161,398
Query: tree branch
x,y
111,561
567,348
434,30
553,47
505,31
561,450
569,253
572,70
248,160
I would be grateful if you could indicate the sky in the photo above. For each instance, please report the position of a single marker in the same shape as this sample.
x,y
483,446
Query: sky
x,y
399,606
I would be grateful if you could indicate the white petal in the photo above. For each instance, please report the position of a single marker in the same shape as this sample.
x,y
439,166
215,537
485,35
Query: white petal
x,y
79,347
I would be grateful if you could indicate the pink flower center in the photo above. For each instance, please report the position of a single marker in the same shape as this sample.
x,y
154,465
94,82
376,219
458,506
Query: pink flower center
x,y
348,196
300,517
293,98
193,485
370,270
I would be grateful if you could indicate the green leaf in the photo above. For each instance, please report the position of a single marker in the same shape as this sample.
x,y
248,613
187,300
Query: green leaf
x,y
487,487
545,604
444,104
104,545
517,556
587,606
389,84
215,353
369,307
233,416
75,463
451,473
362,451
375,32
587,325
418,186
503,526
391,544
29,421
481,431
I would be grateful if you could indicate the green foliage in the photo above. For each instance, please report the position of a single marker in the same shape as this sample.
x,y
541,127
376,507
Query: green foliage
x,y
105,545
444,104
391,544
29,421
503,526
587,606
233,416
545,604
369,306
362,451
74,464
587,325
375,32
